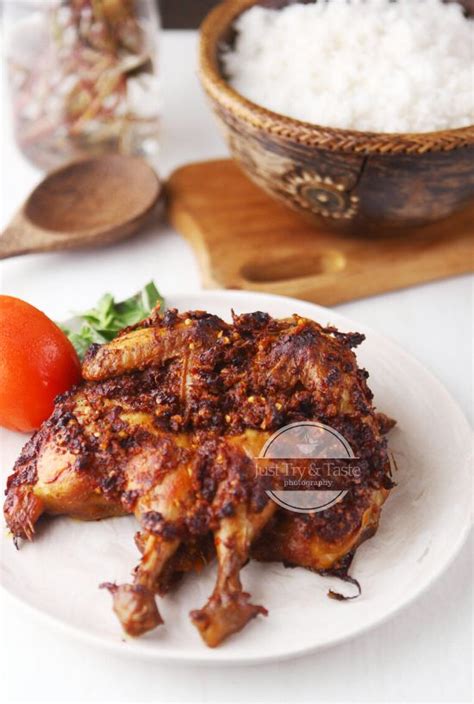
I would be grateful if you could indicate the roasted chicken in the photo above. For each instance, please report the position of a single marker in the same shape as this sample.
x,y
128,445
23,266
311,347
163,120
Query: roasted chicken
x,y
167,425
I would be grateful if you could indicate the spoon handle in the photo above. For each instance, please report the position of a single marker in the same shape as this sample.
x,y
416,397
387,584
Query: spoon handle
x,y
21,237
11,242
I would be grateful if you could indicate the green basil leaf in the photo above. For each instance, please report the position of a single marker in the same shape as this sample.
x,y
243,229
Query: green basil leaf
x,y
102,323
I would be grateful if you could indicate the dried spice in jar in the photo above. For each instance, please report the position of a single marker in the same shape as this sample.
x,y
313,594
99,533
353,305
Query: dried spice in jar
x,y
83,78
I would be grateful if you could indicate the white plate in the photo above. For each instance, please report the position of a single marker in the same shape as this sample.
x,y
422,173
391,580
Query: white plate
x,y
423,526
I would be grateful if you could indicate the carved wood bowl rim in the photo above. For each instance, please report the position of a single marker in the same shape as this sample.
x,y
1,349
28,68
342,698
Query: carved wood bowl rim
x,y
219,22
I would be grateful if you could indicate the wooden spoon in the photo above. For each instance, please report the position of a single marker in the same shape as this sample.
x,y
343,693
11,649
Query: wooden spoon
x,y
84,204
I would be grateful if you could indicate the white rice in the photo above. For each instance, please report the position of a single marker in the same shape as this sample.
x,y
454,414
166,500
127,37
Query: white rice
x,y
369,65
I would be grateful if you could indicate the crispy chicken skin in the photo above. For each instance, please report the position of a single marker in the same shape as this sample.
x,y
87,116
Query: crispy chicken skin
x,y
167,426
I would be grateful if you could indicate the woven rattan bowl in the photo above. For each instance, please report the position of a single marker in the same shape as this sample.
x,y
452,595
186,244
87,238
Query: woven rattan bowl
x,y
361,182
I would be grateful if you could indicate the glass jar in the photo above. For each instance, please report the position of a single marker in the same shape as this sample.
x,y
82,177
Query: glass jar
x,y
83,77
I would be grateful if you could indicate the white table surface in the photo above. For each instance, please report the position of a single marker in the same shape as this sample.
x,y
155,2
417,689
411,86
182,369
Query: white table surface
x,y
424,653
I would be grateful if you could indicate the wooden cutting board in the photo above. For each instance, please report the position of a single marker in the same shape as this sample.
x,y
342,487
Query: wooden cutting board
x,y
245,240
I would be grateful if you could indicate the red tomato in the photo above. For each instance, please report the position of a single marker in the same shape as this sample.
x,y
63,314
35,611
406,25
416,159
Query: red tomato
x,y
37,362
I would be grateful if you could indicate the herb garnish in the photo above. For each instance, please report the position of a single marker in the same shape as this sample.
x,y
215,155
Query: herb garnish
x,y
102,323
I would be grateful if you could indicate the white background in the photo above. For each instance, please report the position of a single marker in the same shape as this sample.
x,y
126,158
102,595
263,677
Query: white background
x,y
424,653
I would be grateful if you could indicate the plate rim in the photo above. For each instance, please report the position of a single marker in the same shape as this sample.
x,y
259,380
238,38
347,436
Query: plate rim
x,y
214,657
